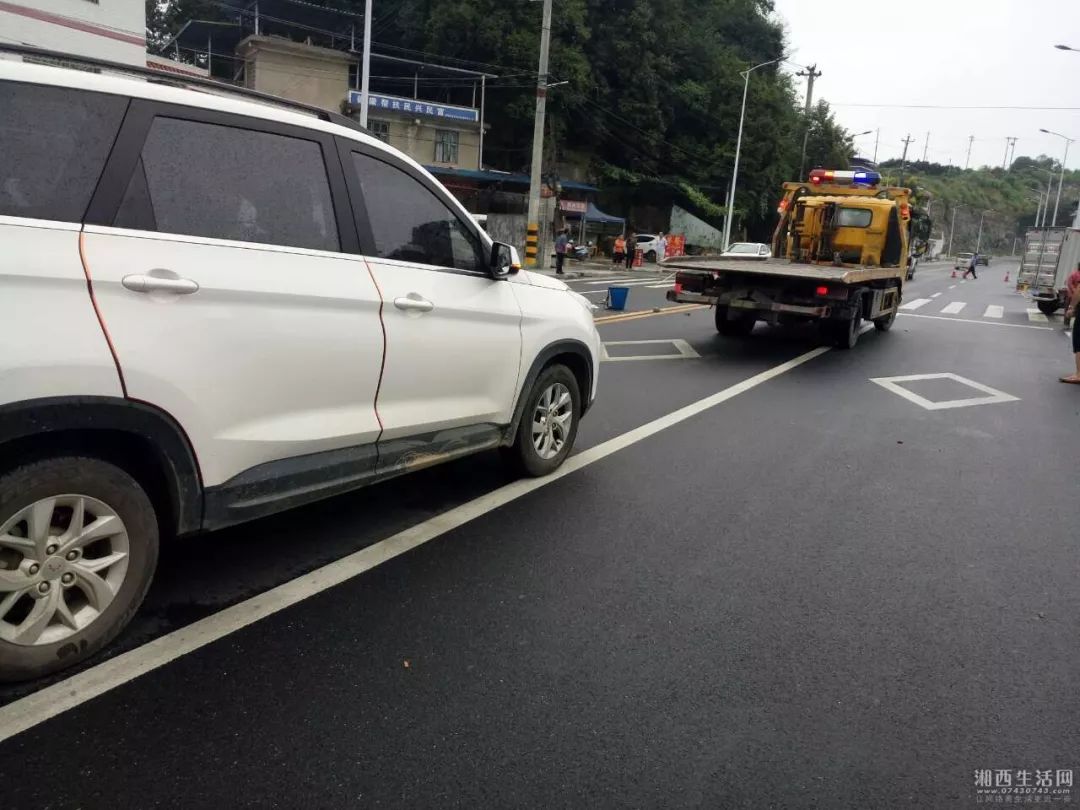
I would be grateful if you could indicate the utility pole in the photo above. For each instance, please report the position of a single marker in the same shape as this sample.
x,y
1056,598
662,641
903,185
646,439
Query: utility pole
x,y
926,146
967,161
903,160
952,230
1010,145
532,237
811,73
366,67
978,242
877,140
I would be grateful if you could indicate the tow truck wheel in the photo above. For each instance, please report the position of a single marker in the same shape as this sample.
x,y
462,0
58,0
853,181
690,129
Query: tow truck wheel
x,y
740,326
846,333
885,322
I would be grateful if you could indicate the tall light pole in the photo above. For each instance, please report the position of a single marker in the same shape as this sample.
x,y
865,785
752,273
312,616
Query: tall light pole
x,y
877,140
532,237
952,229
738,146
1061,178
1039,207
366,67
978,240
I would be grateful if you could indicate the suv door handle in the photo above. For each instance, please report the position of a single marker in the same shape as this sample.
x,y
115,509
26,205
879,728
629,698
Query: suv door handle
x,y
414,303
145,284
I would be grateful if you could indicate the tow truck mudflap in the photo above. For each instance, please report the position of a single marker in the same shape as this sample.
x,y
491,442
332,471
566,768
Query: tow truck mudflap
x,y
758,306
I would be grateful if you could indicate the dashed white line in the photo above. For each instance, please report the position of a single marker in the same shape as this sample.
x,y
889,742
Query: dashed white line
x,y
1037,317
972,320
953,287
954,308
994,311
612,280
27,712
918,302
935,295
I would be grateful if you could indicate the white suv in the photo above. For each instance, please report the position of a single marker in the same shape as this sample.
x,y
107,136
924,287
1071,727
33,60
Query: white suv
x,y
216,308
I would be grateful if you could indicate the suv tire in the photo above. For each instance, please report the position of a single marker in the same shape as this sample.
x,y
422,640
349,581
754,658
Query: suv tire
x,y
82,600
549,423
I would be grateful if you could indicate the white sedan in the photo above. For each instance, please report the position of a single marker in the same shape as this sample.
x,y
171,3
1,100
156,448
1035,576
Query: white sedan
x,y
747,250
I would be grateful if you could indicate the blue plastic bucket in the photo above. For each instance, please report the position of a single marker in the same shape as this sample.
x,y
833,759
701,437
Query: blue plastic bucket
x,y
617,297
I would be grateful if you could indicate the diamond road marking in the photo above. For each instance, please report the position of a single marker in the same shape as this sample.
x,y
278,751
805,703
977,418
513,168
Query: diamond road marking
x,y
686,351
994,311
992,395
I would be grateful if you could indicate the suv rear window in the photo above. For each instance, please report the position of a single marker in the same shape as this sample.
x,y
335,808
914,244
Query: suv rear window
x,y
54,142
224,182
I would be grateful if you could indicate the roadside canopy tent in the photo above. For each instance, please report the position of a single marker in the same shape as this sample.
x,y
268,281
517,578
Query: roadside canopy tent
x,y
594,214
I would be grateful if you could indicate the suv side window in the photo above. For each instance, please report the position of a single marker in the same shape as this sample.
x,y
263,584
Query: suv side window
x,y
410,223
225,182
54,142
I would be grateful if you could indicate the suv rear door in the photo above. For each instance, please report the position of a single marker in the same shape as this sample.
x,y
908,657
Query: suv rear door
x,y
223,258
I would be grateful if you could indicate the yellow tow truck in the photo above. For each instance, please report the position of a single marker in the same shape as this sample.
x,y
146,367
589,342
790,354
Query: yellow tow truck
x,y
840,255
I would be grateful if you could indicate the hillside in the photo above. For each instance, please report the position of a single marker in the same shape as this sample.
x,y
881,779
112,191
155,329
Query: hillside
x,y
1008,197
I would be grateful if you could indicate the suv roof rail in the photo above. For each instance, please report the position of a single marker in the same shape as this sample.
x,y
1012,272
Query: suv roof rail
x,y
185,82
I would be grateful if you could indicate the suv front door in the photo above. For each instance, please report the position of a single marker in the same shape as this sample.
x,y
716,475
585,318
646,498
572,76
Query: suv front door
x,y
220,259
453,333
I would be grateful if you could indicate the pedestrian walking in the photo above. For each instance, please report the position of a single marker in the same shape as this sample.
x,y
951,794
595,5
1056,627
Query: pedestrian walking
x,y
1071,286
971,266
661,247
1070,312
561,242
618,255
631,249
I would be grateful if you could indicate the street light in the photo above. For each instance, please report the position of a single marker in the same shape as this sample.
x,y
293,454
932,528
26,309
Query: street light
x,y
738,147
1039,208
1061,178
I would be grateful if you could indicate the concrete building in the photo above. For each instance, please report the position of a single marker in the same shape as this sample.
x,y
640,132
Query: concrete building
x,y
101,29
295,70
435,134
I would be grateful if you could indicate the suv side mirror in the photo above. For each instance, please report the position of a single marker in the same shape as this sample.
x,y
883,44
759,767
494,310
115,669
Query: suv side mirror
x,y
504,260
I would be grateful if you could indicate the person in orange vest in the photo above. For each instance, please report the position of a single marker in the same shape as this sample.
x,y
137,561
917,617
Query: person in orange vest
x,y
619,253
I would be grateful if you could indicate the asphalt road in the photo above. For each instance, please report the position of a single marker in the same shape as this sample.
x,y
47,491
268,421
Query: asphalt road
x,y
806,590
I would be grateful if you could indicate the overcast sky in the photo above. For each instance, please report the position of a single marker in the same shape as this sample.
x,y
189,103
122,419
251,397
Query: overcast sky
x,y
950,53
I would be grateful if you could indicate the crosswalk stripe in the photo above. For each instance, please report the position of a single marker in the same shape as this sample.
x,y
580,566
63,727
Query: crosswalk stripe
x,y
611,280
935,295
1037,317
954,308
918,302
660,286
994,311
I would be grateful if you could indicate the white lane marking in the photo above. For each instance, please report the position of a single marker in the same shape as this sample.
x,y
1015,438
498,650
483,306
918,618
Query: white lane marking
x,y
994,311
27,712
591,292
660,286
1037,317
971,320
993,396
953,287
684,349
612,280
954,308
918,302
935,295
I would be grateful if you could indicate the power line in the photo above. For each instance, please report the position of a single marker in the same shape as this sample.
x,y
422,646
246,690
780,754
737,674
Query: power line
x,y
953,107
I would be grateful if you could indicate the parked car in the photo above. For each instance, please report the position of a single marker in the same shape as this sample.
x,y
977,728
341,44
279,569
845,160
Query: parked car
x,y
962,261
218,308
649,245
747,250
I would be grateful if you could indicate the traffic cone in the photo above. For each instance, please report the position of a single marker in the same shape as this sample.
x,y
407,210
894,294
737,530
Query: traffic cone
x,y
1006,276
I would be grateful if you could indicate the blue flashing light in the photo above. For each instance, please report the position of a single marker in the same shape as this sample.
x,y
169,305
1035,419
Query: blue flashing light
x,y
865,179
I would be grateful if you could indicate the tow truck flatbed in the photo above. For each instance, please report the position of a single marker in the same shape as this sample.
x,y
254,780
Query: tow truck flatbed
x,y
785,268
